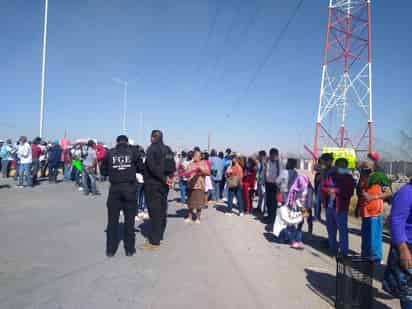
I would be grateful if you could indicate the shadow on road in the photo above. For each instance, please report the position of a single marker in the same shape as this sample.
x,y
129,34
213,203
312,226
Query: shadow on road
x,y
5,187
180,213
272,238
324,286
221,208
320,244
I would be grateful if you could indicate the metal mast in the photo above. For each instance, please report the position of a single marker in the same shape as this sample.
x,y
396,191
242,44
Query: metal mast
x,y
344,116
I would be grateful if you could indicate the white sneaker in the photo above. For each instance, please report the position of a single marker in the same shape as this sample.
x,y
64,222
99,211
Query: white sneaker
x,y
241,214
228,214
80,189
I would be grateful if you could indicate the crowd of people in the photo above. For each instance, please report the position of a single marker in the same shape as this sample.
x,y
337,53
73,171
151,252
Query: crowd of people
x,y
265,186
284,198
37,160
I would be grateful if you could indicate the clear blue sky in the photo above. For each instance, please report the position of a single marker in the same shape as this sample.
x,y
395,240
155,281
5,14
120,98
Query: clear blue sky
x,y
190,67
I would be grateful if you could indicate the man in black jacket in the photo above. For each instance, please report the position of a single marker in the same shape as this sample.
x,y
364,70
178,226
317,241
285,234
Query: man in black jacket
x,y
121,165
158,177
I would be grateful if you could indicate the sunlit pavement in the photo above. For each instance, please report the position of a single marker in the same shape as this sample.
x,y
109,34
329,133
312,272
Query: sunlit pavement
x,y
52,256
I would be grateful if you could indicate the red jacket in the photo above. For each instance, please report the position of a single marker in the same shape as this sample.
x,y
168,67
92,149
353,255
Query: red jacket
x,y
250,177
100,152
35,151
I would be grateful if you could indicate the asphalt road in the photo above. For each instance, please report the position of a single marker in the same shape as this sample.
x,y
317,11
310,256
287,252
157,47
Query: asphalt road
x,y
52,256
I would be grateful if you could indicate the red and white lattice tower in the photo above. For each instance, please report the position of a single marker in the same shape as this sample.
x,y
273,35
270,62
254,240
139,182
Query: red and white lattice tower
x,y
345,107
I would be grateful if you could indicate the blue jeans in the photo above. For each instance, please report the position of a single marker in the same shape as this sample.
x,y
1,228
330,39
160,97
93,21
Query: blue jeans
x,y
396,280
239,196
16,175
25,172
318,205
291,234
75,176
67,171
261,195
337,221
372,238
5,168
216,190
141,205
183,190
407,304
89,176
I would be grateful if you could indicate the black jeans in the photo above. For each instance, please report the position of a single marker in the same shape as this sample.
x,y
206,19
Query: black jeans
x,y
156,199
53,172
121,197
35,169
271,201
43,168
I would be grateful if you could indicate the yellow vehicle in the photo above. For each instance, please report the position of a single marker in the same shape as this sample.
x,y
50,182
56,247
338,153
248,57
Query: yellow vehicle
x,y
346,153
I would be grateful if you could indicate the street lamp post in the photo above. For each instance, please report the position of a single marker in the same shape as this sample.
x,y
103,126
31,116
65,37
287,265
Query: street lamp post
x,y
43,68
125,85
125,108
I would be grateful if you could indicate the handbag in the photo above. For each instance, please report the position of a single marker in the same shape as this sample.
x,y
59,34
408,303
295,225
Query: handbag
x,y
233,182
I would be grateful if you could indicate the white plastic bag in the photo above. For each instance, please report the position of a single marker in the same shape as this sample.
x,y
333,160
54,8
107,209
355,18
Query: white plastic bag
x,y
208,184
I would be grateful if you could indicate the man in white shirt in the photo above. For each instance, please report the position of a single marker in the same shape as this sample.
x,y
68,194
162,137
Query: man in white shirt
x,y
271,174
89,174
25,157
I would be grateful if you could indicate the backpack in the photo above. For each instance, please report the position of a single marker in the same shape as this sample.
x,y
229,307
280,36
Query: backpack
x,y
169,161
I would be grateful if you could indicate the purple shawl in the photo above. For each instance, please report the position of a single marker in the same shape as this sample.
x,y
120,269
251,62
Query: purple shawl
x,y
300,185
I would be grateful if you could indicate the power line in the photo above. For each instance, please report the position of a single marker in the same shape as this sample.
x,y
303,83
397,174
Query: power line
x,y
209,35
243,35
271,51
226,40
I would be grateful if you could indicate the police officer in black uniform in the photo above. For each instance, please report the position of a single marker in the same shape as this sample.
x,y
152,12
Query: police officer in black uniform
x,y
160,166
121,165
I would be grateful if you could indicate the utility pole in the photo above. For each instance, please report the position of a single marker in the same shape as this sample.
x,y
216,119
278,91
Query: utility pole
x,y
43,68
